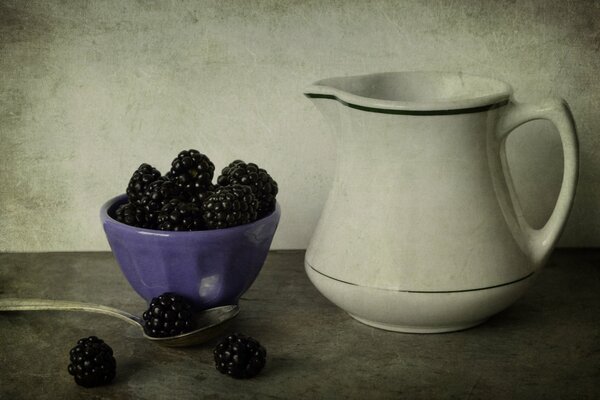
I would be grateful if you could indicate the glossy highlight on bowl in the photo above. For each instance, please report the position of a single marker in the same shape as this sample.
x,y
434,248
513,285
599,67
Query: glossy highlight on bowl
x,y
210,268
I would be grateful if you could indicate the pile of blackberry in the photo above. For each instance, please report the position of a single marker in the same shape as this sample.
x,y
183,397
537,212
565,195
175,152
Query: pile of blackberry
x,y
185,198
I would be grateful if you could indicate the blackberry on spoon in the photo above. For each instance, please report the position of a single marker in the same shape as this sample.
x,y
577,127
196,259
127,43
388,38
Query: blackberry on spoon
x,y
168,315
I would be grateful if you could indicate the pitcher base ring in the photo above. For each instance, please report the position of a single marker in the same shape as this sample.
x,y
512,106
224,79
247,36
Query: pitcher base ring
x,y
418,329
418,312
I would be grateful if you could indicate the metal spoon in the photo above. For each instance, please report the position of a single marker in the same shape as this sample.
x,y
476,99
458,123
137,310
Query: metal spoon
x,y
210,321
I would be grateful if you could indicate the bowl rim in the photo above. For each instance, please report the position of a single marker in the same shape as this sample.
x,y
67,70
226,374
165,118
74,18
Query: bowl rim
x,y
108,220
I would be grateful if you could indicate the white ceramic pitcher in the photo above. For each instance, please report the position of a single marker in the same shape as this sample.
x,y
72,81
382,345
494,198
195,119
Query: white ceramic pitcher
x,y
422,230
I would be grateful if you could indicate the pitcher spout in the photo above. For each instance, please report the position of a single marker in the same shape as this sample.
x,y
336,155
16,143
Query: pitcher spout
x,y
413,93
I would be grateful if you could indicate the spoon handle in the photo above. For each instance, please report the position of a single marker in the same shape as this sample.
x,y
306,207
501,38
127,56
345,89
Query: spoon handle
x,y
14,304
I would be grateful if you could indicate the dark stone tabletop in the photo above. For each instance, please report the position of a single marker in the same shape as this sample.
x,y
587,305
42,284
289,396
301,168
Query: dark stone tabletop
x,y
546,346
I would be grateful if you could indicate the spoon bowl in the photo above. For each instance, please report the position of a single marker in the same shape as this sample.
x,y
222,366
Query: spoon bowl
x,y
210,322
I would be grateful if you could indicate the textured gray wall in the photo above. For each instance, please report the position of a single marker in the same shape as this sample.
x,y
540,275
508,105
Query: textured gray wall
x,y
90,89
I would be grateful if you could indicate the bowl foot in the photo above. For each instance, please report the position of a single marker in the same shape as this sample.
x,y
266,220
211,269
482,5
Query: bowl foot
x,y
418,329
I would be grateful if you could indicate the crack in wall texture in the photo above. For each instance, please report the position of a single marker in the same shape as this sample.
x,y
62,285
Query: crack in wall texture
x,y
89,90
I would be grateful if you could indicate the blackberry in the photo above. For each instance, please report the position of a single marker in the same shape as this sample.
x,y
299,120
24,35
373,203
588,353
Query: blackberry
x,y
133,215
192,171
179,215
239,356
168,315
199,196
263,186
141,178
232,164
92,362
229,206
157,194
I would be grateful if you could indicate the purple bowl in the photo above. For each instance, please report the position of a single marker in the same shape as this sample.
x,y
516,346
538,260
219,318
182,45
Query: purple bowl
x,y
210,268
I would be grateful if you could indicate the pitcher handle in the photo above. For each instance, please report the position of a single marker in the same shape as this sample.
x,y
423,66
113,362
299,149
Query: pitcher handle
x,y
538,243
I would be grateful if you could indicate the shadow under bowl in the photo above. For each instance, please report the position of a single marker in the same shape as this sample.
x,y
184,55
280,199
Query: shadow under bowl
x,y
210,268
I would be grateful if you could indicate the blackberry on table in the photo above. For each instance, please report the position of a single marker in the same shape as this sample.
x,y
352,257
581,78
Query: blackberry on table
x,y
92,362
229,206
168,315
134,215
263,186
192,171
179,215
157,194
239,356
141,178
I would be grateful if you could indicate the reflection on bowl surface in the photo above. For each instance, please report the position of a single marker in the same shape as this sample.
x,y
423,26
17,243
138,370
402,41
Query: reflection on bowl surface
x,y
211,268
